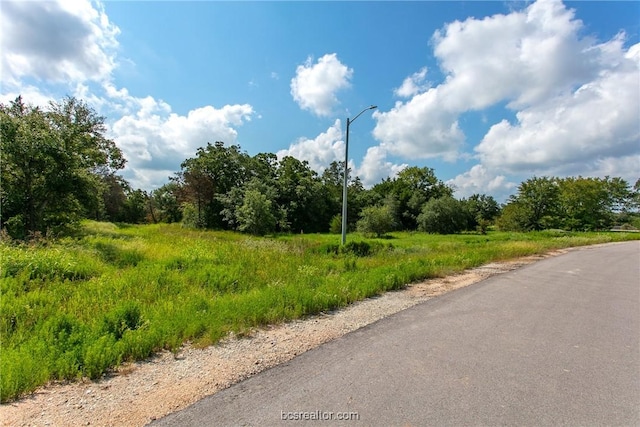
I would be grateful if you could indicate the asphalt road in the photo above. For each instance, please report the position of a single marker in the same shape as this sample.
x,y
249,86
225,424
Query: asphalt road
x,y
553,343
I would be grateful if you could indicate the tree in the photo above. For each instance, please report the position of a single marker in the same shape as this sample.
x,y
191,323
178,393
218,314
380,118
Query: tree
x,y
412,187
444,215
571,203
214,171
135,207
378,220
594,203
482,210
255,216
332,183
586,203
198,191
166,202
297,192
114,196
51,161
252,208
539,205
514,217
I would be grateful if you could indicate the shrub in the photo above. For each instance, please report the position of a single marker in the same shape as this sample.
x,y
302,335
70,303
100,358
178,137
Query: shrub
x,y
377,220
335,226
445,215
125,317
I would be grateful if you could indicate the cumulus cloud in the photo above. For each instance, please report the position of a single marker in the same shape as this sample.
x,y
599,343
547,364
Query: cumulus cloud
x,y
319,151
375,166
72,46
56,41
480,180
155,138
575,99
419,128
413,84
598,120
523,57
315,86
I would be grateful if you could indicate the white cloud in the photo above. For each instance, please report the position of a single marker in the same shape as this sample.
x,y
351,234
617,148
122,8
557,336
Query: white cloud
x,y
576,99
149,178
71,47
56,41
329,146
419,128
523,57
413,85
375,167
153,137
320,151
315,86
479,180
599,119
626,167
30,94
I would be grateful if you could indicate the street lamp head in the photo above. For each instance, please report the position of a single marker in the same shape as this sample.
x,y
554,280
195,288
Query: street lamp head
x,y
372,107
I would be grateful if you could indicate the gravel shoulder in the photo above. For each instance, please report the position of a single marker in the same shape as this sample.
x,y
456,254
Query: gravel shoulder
x,y
143,391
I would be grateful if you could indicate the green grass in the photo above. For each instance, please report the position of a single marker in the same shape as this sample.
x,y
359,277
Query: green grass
x,y
78,307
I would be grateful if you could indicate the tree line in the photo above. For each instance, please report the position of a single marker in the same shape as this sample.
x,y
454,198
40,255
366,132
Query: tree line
x,y
58,167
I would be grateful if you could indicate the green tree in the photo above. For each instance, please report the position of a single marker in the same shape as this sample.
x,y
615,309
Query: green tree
x,y
378,220
513,217
538,205
585,204
244,211
51,161
297,187
412,188
332,182
483,211
594,203
256,216
444,215
214,171
134,210
114,196
167,203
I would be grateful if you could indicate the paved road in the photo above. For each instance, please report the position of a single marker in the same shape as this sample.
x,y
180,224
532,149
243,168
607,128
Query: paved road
x,y
553,343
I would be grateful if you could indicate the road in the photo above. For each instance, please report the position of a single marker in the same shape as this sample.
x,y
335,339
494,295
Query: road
x,y
553,343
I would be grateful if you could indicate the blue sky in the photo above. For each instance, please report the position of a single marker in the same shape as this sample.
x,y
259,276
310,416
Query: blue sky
x,y
486,93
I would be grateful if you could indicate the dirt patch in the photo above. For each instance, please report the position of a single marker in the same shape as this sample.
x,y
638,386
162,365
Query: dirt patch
x,y
141,392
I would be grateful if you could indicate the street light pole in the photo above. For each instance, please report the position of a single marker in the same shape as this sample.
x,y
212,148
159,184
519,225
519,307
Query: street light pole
x,y
346,170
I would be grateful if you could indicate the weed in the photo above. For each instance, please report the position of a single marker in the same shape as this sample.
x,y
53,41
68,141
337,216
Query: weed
x,y
80,307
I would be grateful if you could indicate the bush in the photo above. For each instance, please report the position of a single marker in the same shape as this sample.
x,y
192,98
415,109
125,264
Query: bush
x,y
126,317
191,218
335,226
359,249
377,220
445,215
255,216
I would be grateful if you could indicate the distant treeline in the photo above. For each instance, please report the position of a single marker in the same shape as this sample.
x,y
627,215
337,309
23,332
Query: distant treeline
x,y
59,168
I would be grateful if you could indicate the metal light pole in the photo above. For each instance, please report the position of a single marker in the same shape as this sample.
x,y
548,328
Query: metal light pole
x,y
346,170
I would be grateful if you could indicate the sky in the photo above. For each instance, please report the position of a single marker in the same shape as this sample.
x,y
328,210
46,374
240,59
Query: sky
x,y
488,94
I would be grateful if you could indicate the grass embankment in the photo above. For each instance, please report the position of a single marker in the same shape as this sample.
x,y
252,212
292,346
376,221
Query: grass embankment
x,y
78,307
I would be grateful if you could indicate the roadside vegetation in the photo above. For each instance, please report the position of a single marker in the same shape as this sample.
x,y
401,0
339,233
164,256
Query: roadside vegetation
x,y
80,306
189,261
59,168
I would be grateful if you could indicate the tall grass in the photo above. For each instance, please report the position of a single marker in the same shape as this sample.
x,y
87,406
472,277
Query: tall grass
x,y
79,307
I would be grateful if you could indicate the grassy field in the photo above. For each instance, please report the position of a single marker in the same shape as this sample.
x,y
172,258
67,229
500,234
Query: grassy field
x,y
80,306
